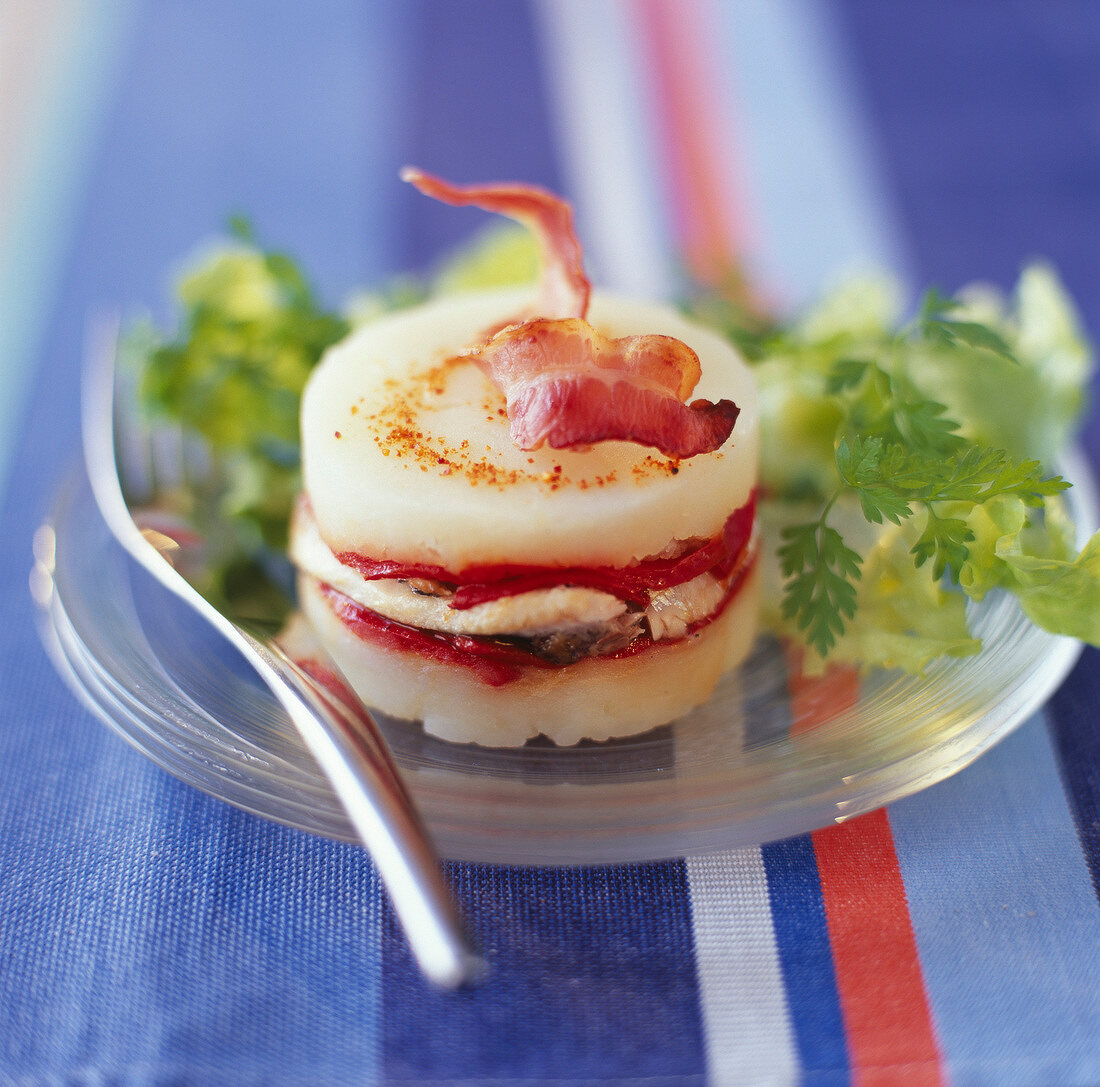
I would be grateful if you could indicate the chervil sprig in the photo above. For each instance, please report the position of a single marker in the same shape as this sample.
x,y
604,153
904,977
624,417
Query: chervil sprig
x,y
821,572
900,455
891,480
884,403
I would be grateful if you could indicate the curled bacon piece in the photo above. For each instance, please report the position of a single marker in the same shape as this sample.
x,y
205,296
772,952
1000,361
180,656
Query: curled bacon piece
x,y
565,289
568,386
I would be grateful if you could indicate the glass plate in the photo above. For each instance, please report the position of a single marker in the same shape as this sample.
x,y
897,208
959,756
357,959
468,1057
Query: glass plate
x,y
736,772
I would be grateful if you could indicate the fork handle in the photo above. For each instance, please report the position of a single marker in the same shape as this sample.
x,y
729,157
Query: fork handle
x,y
354,757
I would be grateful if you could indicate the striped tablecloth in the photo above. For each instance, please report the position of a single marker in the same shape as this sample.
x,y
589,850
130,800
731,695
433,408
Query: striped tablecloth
x,y
152,935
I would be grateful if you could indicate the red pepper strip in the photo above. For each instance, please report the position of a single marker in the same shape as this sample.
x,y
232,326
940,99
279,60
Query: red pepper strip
x,y
479,584
736,534
630,583
494,661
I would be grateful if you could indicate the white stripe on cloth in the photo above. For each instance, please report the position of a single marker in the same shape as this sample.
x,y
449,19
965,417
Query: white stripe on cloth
x,y
596,93
746,1024
742,997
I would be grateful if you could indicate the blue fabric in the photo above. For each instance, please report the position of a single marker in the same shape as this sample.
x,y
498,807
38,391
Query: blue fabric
x,y
475,112
591,970
149,934
1076,733
1005,976
985,114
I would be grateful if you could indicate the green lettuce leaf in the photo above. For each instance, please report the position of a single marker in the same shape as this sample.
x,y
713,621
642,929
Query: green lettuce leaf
x,y
1058,587
250,332
1029,405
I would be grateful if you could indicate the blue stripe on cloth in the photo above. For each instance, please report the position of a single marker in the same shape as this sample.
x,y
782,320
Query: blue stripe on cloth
x,y
591,978
246,108
152,935
1005,918
798,914
476,111
1015,100
1076,730
148,933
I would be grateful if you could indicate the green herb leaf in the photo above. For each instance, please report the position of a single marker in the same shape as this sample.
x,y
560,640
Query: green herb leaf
x,y
924,425
935,325
976,475
846,374
944,541
820,591
890,480
935,305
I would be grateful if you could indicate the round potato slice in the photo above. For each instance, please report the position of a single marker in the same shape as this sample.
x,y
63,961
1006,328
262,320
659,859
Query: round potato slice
x,y
407,453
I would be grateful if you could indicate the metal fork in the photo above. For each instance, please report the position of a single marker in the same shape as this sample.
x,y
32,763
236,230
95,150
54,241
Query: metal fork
x,y
345,740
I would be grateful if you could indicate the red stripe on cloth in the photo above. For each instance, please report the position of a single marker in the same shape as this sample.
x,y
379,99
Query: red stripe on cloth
x,y
695,135
887,1020
891,1038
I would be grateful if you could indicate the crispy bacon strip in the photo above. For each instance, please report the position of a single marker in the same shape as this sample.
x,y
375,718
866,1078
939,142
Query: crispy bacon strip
x,y
565,289
568,386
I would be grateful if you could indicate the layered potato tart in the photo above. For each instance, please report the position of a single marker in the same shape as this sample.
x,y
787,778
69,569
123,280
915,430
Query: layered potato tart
x,y
513,522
